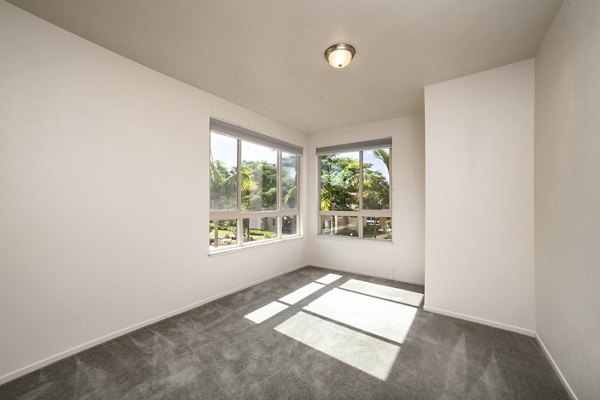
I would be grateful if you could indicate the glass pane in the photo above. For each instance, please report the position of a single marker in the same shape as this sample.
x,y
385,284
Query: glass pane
x,y
289,180
377,228
289,225
211,234
259,177
376,179
339,182
227,233
223,172
338,225
260,228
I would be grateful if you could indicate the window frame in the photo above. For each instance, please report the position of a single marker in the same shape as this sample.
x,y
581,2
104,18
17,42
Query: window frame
x,y
360,213
239,215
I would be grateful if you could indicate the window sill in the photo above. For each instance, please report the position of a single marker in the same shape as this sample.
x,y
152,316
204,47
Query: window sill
x,y
263,243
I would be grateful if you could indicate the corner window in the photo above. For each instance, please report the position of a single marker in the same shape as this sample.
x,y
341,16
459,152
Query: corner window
x,y
253,187
355,190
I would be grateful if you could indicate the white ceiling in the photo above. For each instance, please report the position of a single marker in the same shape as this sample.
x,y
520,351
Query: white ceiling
x,y
267,55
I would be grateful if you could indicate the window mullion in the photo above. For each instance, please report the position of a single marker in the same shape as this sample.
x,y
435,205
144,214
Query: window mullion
x,y
240,227
319,194
360,180
360,193
390,163
279,199
216,232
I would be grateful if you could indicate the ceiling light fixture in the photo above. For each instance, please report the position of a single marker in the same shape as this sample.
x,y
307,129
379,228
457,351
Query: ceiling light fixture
x,y
339,55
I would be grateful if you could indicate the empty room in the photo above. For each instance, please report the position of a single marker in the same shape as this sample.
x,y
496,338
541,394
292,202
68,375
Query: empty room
x,y
300,199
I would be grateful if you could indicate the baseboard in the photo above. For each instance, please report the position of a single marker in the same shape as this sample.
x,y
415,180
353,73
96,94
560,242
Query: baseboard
x,y
74,350
562,378
354,271
482,321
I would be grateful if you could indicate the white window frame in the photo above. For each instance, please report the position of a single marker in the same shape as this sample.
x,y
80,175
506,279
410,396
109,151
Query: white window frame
x,y
360,213
238,214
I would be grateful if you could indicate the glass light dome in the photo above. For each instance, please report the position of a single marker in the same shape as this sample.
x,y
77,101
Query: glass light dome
x,y
339,55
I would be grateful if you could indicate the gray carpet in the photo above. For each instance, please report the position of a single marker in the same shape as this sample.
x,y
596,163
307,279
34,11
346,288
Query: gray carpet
x,y
317,352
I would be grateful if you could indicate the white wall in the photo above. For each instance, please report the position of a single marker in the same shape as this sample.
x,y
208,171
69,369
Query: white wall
x,y
567,194
104,194
479,197
403,259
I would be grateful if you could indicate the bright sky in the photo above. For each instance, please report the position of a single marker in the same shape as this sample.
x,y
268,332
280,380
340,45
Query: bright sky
x,y
369,158
224,148
378,165
255,152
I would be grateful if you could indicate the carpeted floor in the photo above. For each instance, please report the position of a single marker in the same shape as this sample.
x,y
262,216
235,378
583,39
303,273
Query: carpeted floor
x,y
347,339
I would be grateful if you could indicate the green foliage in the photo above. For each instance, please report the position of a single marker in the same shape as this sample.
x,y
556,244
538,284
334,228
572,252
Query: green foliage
x,y
228,226
258,186
376,190
384,156
347,232
340,180
339,183
289,182
223,186
265,234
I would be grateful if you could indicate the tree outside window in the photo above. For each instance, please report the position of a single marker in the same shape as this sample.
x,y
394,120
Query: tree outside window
x,y
355,194
259,203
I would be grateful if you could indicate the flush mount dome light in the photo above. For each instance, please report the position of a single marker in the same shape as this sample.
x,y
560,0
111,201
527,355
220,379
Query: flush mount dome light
x,y
339,55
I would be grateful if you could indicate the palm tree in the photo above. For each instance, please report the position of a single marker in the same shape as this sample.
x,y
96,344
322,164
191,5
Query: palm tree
x,y
339,183
259,185
376,187
223,185
384,156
